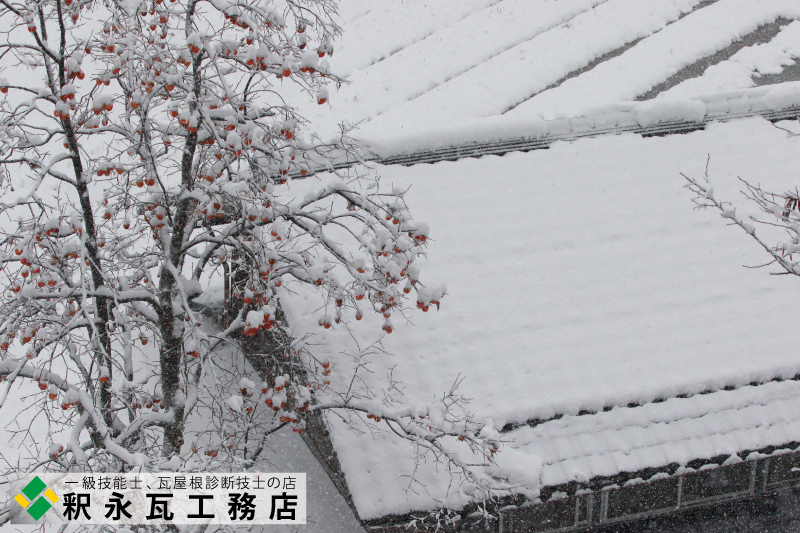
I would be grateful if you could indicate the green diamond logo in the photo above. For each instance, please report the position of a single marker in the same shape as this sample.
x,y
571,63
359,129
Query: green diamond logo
x,y
30,500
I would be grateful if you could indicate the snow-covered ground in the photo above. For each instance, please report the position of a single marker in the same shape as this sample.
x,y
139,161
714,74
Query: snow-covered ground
x,y
577,277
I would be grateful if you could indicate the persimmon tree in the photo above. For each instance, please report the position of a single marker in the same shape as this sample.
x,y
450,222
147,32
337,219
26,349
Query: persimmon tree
x,y
146,147
780,214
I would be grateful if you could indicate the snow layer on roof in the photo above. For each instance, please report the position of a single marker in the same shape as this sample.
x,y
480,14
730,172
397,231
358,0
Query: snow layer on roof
x,y
725,423
659,56
415,64
744,66
616,118
485,35
377,29
508,79
578,277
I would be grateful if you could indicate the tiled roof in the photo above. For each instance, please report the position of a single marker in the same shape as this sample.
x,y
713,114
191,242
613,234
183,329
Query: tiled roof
x,y
676,431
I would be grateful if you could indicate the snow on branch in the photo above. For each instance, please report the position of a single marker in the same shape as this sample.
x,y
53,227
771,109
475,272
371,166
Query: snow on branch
x,y
782,211
151,149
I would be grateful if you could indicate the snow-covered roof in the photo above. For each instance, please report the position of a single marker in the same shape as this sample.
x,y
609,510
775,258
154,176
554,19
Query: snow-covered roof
x,y
677,431
578,277
416,64
499,135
